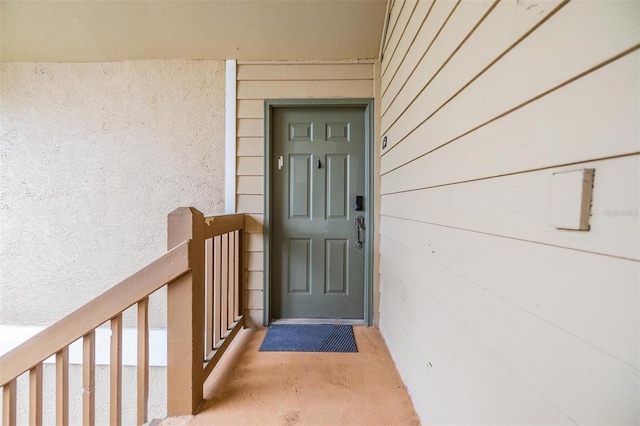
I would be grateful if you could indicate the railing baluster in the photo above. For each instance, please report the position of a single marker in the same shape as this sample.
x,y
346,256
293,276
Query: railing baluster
x,y
224,325
89,379
237,309
217,290
9,397
62,387
35,395
228,283
232,279
115,390
143,359
208,297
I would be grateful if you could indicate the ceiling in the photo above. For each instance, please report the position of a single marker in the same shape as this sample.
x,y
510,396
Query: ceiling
x,y
112,30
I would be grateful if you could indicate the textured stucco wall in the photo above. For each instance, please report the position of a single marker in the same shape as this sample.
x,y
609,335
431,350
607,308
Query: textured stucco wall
x,y
93,158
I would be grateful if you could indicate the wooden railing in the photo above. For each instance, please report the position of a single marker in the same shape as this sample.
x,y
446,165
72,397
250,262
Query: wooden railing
x,y
203,275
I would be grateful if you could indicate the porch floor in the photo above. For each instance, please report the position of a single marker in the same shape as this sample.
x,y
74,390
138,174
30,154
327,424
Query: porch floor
x,y
290,388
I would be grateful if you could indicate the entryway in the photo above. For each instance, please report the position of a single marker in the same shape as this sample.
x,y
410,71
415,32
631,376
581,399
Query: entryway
x,y
319,210
305,388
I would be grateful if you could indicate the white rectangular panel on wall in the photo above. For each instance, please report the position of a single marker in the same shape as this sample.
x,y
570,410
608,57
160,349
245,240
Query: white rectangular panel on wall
x,y
571,199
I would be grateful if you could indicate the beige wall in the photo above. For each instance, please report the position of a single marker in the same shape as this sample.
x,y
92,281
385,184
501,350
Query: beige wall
x,y
255,83
492,315
94,157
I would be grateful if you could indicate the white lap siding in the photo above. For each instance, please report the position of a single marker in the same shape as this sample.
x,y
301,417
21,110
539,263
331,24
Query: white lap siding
x,y
491,314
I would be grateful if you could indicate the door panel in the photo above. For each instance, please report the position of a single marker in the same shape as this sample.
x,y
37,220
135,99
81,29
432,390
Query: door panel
x,y
337,186
299,186
299,266
336,271
317,270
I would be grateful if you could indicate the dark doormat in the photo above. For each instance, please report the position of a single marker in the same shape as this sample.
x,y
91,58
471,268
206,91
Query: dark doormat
x,y
309,338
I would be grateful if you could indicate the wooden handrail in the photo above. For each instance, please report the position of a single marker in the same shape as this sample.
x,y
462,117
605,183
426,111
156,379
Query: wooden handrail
x,y
223,224
203,272
58,336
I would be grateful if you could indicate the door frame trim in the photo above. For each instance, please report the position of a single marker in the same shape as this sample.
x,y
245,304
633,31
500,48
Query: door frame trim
x,y
368,104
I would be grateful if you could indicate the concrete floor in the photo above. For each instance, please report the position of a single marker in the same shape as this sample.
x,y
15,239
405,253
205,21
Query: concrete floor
x,y
298,388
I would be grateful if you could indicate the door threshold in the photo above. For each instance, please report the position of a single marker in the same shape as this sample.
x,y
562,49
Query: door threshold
x,y
314,321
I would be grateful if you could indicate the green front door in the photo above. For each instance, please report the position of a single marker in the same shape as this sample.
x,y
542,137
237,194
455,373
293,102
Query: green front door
x,y
319,170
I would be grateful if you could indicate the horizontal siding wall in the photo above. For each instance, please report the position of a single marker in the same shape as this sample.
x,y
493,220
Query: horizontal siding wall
x,y
257,82
492,315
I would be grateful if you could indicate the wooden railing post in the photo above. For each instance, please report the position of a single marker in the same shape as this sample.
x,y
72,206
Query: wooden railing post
x,y
185,313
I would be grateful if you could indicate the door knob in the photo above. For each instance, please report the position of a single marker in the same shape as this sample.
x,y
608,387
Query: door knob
x,y
359,225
